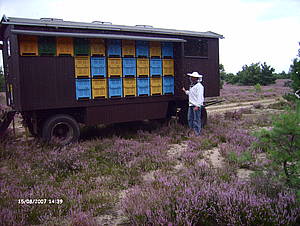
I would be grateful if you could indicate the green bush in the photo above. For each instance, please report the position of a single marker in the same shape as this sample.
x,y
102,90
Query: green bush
x,y
283,75
257,88
282,145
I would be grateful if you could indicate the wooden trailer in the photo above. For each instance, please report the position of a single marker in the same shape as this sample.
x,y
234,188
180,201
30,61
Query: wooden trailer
x,y
59,73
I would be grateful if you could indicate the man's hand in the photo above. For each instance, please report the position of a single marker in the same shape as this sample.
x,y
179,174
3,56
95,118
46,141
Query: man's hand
x,y
183,89
196,108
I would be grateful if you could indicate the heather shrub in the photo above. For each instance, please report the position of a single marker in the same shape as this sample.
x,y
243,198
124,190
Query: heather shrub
x,y
264,120
234,142
174,131
258,106
245,110
199,197
235,93
79,218
6,145
263,181
34,171
282,105
233,115
64,161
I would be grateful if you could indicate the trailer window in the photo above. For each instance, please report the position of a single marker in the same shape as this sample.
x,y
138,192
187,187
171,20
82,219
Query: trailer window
x,y
196,47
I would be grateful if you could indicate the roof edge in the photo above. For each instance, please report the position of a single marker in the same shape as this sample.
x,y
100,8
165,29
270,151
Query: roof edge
x,y
98,26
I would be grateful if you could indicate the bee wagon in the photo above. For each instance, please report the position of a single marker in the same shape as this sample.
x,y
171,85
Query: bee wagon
x,y
60,73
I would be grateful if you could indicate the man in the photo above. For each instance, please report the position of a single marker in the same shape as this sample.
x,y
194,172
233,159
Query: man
x,y
196,99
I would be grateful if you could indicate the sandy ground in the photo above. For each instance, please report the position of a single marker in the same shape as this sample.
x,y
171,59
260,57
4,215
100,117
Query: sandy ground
x,y
236,106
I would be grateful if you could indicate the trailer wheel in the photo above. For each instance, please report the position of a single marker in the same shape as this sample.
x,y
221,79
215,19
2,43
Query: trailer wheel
x,y
61,129
203,117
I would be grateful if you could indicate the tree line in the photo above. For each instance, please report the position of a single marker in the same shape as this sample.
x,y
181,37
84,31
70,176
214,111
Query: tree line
x,y
262,74
253,74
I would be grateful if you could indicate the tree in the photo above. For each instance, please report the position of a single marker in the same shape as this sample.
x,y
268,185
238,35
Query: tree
x,y
249,74
295,73
256,74
282,145
231,78
266,74
283,75
222,72
227,77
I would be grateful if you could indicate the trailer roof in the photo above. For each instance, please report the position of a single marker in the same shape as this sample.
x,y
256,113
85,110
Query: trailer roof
x,y
92,35
98,25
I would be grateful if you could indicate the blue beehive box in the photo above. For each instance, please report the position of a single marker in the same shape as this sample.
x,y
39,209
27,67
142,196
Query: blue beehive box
x,y
167,50
83,89
114,48
143,86
129,67
168,85
142,49
155,67
115,87
98,66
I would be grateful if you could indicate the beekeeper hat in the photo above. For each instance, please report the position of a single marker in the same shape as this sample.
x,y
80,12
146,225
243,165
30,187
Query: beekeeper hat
x,y
195,74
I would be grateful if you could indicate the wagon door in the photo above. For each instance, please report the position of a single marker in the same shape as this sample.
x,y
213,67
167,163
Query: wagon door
x,y
202,55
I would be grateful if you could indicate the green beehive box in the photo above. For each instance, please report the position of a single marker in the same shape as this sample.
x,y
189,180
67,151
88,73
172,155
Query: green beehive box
x,y
81,47
47,46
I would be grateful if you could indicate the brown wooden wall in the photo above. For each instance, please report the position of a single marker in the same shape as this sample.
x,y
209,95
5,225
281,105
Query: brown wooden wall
x,y
48,82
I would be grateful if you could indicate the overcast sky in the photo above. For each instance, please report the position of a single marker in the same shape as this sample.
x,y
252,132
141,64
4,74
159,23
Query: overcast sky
x,y
254,30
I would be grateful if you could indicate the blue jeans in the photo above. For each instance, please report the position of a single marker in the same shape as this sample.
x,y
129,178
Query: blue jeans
x,y
194,119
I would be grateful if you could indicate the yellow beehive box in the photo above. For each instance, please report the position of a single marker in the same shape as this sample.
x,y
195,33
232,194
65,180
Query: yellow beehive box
x,y
168,67
82,66
114,68
28,45
129,86
155,49
99,88
156,85
97,47
142,65
128,48
64,46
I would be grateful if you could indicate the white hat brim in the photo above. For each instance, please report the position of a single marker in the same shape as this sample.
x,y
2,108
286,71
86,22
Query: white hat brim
x,y
195,75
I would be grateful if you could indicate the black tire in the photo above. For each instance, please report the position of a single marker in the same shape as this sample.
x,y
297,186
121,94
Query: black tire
x,y
61,129
203,116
